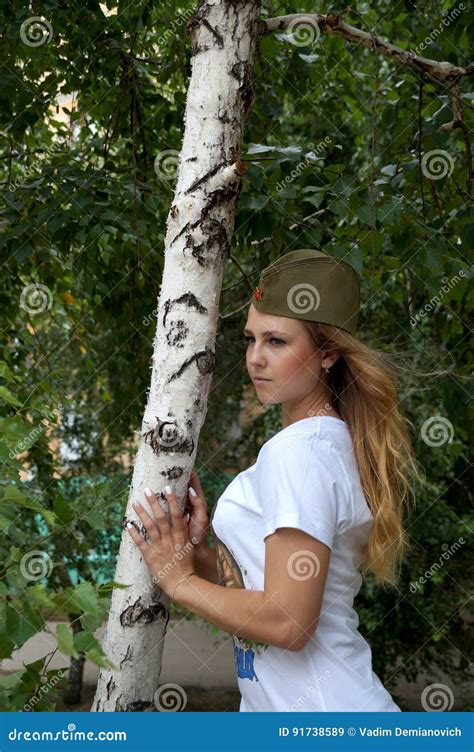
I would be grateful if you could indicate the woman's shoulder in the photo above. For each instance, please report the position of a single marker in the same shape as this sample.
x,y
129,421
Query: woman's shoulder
x,y
328,433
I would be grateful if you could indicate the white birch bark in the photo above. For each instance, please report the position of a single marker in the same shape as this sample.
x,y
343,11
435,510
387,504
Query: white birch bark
x,y
197,245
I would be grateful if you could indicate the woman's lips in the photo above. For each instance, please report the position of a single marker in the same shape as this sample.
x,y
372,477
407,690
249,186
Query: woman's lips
x,y
261,381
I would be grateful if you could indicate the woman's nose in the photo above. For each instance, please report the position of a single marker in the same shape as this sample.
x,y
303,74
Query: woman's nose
x,y
256,357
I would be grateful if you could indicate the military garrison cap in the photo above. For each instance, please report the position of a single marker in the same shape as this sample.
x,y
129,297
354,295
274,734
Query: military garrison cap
x,y
310,285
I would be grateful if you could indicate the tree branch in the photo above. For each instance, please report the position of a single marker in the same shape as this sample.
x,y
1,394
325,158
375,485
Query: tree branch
x,y
331,24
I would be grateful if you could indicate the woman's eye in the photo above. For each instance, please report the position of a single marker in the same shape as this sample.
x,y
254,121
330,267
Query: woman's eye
x,y
273,339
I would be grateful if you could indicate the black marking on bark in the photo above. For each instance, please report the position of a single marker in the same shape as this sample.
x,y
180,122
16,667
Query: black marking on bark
x,y
242,71
177,333
220,40
166,437
137,613
188,298
173,473
163,437
208,175
128,655
140,528
109,688
216,233
204,361
196,249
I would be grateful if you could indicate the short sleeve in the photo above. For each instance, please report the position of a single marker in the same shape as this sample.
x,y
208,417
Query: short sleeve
x,y
300,486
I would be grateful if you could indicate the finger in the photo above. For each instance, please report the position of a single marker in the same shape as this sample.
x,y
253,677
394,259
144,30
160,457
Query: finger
x,y
175,509
160,515
137,538
150,525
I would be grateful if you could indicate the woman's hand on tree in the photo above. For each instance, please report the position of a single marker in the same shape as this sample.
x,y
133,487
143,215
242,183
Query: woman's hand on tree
x,y
169,550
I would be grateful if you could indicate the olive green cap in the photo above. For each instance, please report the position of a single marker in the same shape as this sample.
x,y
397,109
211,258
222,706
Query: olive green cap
x,y
310,285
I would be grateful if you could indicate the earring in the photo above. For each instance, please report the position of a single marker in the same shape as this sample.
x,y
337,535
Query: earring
x,y
327,370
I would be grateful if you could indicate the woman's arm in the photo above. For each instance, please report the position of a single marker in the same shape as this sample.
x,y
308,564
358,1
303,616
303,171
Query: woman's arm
x,y
205,563
286,613
249,614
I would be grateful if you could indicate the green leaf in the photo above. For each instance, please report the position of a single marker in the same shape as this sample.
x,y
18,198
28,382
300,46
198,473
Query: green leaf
x,y
7,396
95,518
65,640
84,597
62,510
5,372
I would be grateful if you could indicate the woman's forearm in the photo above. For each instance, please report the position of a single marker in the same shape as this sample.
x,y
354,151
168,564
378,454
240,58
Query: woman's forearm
x,y
205,563
249,614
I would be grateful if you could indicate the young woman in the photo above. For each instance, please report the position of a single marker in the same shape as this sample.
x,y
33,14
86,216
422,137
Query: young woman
x,y
325,499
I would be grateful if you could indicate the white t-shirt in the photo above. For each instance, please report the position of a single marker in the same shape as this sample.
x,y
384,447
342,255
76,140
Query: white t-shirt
x,y
305,477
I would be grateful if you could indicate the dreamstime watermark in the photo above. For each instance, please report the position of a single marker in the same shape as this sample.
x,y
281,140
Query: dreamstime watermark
x,y
36,31
437,164
36,298
32,171
35,565
448,285
47,685
437,698
448,18
311,688
303,297
448,552
71,734
320,413
24,444
151,318
176,23
302,565
302,31
166,164
170,698
310,158
437,431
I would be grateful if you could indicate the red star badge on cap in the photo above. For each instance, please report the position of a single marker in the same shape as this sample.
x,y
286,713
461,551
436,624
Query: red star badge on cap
x,y
257,293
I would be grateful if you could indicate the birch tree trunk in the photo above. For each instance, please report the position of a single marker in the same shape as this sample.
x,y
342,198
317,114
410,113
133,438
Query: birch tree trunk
x,y
199,228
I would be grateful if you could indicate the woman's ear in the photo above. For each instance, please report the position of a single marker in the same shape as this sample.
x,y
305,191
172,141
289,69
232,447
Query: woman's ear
x,y
329,359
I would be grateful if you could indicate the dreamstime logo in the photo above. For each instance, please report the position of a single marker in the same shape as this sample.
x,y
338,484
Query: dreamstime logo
x,y
35,565
436,431
303,298
170,698
47,686
36,298
436,164
310,158
166,164
448,284
36,31
302,31
448,552
302,565
437,698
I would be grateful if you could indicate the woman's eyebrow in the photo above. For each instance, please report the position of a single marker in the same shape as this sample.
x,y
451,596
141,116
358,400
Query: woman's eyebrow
x,y
248,331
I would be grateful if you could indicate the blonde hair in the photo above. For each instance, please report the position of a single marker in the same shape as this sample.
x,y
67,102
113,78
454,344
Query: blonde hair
x,y
363,386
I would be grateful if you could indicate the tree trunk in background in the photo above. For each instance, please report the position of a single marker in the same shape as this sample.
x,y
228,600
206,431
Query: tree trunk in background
x,y
197,244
